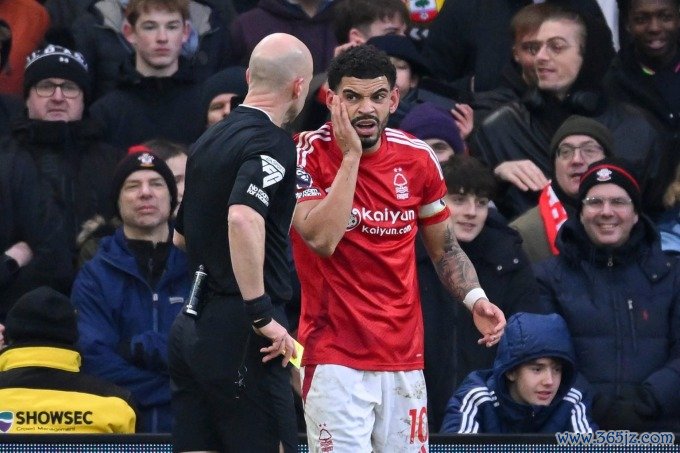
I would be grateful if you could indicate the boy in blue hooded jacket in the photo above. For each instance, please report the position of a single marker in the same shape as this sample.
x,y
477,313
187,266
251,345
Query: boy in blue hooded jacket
x,y
530,388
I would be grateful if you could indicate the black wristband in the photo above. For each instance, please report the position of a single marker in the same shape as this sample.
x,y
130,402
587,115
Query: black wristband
x,y
259,308
9,265
260,323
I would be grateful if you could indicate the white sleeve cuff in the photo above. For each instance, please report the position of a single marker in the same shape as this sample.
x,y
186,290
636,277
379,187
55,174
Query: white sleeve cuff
x,y
473,296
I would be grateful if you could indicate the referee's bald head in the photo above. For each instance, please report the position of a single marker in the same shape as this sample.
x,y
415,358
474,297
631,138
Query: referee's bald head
x,y
278,59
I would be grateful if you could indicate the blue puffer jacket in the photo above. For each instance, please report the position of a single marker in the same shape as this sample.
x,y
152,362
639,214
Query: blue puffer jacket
x,y
482,403
622,307
124,325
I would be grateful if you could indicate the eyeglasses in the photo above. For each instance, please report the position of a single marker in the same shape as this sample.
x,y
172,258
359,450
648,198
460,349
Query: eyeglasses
x,y
45,89
597,203
588,151
554,46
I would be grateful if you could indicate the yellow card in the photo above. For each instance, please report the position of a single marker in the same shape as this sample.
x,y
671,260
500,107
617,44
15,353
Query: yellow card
x,y
299,350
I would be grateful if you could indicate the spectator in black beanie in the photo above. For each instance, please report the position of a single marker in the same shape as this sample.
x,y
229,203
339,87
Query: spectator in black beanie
x,y
221,91
74,165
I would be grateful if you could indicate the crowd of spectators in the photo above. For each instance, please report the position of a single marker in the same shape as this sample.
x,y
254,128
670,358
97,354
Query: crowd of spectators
x,y
101,100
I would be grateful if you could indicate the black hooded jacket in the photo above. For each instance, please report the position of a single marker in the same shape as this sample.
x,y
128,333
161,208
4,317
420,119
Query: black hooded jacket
x,y
144,108
523,129
75,166
28,215
471,39
627,82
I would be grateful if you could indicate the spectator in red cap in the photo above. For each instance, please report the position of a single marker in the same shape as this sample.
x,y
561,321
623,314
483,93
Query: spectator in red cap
x,y
129,294
620,296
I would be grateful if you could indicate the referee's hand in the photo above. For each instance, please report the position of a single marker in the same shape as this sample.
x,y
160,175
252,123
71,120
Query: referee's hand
x,y
282,343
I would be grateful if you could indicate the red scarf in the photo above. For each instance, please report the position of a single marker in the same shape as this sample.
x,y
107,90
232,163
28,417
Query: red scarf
x,y
553,215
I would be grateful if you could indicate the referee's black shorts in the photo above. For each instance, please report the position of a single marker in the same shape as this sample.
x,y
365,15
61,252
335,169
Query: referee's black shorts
x,y
210,412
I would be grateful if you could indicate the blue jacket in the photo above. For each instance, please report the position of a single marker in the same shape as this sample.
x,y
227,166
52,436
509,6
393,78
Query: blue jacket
x,y
668,224
124,325
482,403
622,307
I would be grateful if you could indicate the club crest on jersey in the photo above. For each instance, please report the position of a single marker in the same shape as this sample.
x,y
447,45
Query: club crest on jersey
x,y
400,184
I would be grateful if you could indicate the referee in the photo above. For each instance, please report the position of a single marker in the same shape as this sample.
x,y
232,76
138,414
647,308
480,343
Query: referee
x,y
227,363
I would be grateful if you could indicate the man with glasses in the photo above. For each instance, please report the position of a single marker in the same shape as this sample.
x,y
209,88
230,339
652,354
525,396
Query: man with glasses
x,y
74,166
518,76
570,61
470,41
620,296
579,142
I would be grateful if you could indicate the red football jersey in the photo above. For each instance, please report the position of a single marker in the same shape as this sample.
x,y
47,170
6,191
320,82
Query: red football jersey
x,y
361,306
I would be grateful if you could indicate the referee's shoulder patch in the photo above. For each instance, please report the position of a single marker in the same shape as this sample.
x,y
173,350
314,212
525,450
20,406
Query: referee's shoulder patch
x,y
273,170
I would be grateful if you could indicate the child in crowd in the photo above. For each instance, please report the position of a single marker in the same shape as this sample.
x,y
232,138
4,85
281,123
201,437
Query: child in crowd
x,y
530,388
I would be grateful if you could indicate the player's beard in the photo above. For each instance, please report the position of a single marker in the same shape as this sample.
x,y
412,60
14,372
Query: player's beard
x,y
368,142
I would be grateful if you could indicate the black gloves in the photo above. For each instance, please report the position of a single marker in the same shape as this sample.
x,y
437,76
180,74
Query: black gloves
x,y
633,410
143,351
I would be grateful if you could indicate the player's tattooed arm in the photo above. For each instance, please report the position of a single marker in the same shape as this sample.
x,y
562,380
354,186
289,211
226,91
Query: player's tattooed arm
x,y
458,275
454,267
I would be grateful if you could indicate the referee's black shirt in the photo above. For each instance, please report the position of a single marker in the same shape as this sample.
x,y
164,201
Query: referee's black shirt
x,y
245,159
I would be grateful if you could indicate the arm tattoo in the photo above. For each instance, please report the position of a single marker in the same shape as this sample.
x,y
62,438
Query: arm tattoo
x,y
455,269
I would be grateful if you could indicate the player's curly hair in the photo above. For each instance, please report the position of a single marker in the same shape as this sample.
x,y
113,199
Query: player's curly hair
x,y
363,62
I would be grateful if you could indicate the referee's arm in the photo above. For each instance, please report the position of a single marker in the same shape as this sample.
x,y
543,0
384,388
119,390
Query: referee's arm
x,y
246,245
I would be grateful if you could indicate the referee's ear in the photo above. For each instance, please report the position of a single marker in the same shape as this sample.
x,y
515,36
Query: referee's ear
x,y
298,85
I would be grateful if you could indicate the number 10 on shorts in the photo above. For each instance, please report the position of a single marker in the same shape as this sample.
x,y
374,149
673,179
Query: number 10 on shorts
x,y
418,420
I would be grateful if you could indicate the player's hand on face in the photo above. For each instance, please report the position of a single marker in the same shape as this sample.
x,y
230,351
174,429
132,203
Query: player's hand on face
x,y
489,320
2,336
282,343
346,137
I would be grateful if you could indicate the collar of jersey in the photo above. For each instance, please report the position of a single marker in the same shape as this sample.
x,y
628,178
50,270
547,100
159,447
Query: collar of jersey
x,y
257,108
